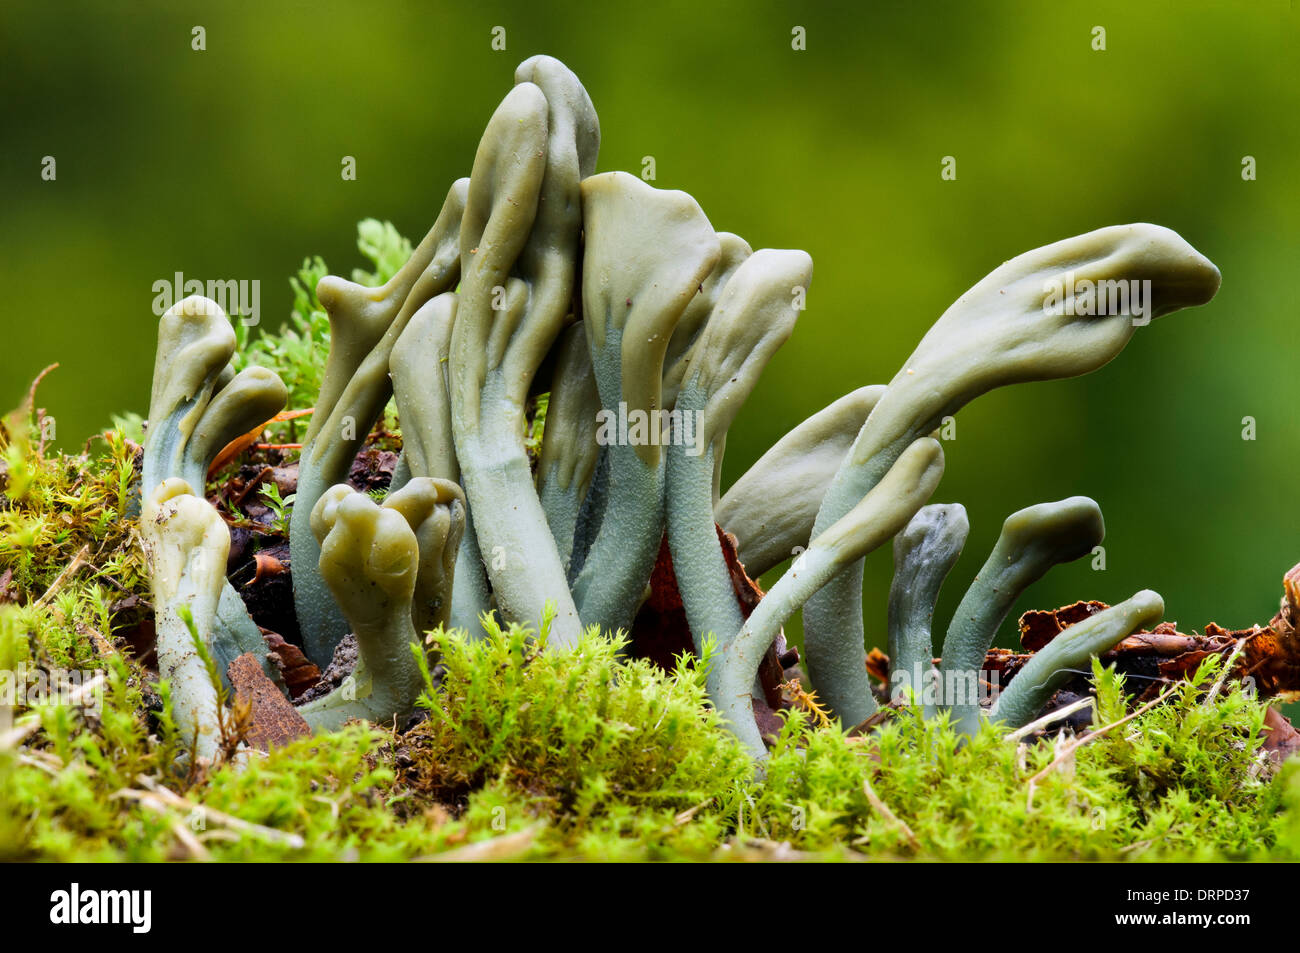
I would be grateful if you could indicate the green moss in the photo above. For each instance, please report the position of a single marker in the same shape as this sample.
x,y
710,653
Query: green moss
x,y
1186,780
576,754
56,507
609,753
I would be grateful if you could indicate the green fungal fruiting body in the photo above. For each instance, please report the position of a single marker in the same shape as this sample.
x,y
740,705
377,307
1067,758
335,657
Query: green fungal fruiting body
x,y
1032,541
566,352
754,315
1002,331
924,553
647,251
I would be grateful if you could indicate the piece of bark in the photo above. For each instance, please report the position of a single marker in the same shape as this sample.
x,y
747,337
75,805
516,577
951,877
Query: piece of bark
x,y
273,721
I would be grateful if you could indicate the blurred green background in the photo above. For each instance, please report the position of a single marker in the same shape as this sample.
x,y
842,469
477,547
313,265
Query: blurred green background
x,y
225,163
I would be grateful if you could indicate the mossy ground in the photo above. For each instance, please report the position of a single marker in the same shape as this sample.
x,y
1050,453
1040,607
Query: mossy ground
x,y
569,754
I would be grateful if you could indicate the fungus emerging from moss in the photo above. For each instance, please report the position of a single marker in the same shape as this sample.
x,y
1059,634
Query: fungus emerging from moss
x,y
1002,331
390,569
636,311
754,316
365,324
1033,687
186,544
884,511
1033,540
647,251
519,243
924,553
198,405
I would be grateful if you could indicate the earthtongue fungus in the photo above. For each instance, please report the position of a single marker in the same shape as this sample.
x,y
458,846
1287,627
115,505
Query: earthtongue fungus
x,y
647,253
418,367
199,405
924,553
365,324
1012,326
1033,540
185,545
802,464
755,314
570,450
732,253
195,344
390,568
650,330
519,246
884,511
1053,665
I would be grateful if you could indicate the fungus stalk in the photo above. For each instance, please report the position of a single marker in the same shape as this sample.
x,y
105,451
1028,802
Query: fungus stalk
x,y
1071,650
186,545
418,366
519,242
768,525
390,569
198,405
754,316
1033,540
569,448
647,251
924,553
365,324
884,511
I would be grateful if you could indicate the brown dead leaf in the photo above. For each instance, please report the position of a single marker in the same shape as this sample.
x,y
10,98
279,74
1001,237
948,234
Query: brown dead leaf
x,y
299,672
1037,627
660,632
1281,740
241,443
8,591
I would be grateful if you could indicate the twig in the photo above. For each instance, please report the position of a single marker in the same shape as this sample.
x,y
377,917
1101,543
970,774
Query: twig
x,y
102,645
31,759
68,570
16,736
890,817
173,800
252,485
1082,740
686,816
1227,668
1026,730
188,840
774,850
494,848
